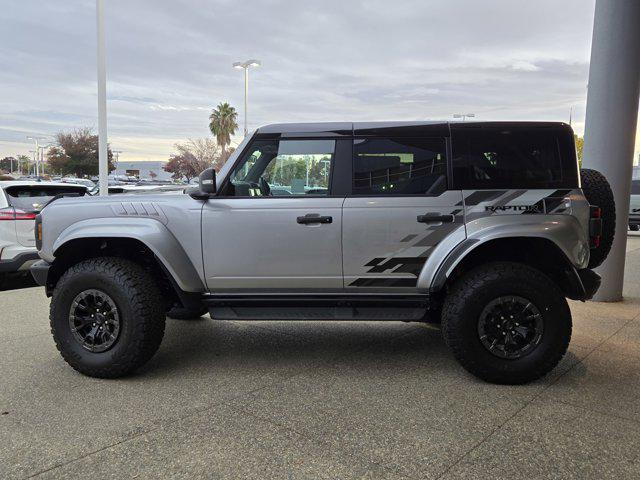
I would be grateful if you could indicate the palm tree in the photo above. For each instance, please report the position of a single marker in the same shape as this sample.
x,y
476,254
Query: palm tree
x,y
222,123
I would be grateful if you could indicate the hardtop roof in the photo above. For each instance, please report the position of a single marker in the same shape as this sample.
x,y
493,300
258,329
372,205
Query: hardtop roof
x,y
350,128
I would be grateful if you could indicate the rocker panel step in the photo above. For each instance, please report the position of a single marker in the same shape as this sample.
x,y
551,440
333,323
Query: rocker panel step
x,y
317,307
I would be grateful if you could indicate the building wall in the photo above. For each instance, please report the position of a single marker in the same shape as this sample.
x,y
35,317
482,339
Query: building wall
x,y
143,169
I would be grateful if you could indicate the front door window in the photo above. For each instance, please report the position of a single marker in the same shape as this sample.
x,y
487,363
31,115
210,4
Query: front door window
x,y
280,168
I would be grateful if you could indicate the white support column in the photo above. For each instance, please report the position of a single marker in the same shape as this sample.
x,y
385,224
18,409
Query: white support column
x,y
103,159
246,100
612,114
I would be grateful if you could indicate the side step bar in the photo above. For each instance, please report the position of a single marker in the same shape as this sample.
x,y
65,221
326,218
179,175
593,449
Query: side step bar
x,y
317,307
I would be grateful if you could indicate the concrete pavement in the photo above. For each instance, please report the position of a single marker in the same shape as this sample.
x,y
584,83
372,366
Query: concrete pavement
x,y
320,400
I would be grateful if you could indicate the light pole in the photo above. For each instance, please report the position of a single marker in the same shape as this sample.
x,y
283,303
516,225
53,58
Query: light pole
x,y
36,159
41,158
116,153
245,66
464,116
32,152
103,160
42,162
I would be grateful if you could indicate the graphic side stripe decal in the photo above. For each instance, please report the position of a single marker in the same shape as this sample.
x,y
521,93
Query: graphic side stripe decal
x,y
384,282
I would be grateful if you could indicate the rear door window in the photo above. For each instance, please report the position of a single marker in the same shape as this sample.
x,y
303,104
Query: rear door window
x,y
497,157
31,198
399,166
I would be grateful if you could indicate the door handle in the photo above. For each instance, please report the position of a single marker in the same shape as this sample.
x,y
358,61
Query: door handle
x,y
436,218
314,218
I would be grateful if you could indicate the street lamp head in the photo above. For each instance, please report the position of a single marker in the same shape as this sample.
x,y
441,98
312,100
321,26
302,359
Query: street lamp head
x,y
457,115
249,63
471,115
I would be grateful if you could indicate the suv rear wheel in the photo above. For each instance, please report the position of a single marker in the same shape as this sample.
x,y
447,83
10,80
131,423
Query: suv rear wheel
x,y
107,317
506,323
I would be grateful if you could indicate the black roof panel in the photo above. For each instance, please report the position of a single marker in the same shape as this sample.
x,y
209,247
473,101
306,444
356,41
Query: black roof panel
x,y
306,129
436,127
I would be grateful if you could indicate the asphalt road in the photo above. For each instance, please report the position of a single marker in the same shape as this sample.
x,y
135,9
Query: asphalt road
x,y
320,400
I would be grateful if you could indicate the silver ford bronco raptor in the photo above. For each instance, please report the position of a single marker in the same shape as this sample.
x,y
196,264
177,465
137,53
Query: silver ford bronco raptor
x,y
485,228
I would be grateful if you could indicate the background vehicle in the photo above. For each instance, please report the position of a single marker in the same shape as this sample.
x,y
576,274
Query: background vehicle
x,y
144,188
80,181
479,226
634,206
20,201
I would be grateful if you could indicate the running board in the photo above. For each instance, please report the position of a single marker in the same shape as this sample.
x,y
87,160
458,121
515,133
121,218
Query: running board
x,y
317,307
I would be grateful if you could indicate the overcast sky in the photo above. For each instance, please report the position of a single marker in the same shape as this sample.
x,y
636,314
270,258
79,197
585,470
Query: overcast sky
x,y
169,63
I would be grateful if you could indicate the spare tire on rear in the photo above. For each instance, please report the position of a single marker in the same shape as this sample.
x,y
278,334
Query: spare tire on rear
x,y
598,192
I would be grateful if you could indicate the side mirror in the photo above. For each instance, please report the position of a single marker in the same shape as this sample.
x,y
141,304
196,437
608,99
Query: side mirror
x,y
208,181
206,187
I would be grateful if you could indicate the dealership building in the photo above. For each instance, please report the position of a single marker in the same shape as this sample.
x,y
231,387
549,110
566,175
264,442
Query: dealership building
x,y
142,169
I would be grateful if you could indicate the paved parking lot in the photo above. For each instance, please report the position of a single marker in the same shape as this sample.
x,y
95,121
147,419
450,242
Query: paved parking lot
x,y
320,400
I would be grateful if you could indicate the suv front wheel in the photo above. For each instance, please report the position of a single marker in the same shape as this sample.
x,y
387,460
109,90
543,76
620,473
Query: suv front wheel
x,y
107,317
506,323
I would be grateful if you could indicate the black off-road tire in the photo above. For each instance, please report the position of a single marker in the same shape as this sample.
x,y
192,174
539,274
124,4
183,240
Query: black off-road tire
x,y
181,313
598,192
634,228
475,290
139,305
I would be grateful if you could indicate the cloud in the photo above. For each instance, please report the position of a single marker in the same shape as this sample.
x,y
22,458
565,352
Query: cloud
x,y
525,66
169,63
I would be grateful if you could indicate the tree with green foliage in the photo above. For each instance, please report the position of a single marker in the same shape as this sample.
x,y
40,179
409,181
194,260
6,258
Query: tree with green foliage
x,y
8,164
579,147
25,164
20,164
76,153
223,124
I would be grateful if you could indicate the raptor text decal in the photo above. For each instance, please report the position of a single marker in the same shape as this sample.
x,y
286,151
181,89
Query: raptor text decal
x,y
513,208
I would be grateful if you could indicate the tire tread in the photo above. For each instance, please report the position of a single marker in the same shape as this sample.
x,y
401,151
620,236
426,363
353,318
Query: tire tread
x,y
145,302
598,192
452,314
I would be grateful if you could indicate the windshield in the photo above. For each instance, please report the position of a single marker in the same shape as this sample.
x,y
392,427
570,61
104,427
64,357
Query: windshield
x,y
31,198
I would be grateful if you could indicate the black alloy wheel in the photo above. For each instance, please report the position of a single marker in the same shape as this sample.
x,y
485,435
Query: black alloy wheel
x,y
94,320
510,327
